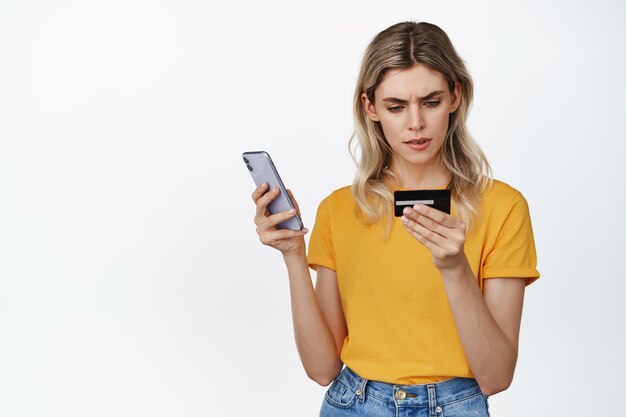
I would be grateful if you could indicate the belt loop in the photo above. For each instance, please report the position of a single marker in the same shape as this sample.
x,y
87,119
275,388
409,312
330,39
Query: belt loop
x,y
362,389
432,400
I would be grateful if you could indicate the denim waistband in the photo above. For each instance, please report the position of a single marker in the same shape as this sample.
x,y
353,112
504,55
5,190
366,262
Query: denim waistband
x,y
420,395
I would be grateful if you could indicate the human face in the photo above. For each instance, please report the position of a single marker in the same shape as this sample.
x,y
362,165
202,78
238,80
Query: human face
x,y
413,107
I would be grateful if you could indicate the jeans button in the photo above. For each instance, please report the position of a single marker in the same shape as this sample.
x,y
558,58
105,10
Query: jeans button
x,y
401,395
438,409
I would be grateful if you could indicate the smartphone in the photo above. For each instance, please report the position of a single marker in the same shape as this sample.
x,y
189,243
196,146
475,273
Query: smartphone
x,y
262,169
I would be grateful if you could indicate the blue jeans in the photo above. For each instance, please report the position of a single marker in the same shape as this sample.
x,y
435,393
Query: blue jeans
x,y
351,395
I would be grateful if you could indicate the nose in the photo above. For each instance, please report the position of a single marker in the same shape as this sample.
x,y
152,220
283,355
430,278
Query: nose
x,y
416,119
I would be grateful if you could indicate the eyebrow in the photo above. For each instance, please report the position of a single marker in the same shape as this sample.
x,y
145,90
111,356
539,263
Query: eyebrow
x,y
400,101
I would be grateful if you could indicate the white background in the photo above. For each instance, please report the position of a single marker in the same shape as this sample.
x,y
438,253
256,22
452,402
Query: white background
x,y
132,281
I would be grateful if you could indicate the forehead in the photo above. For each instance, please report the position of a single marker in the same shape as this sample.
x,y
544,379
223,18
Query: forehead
x,y
418,80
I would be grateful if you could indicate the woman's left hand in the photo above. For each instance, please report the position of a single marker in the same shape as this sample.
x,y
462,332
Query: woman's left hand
x,y
441,233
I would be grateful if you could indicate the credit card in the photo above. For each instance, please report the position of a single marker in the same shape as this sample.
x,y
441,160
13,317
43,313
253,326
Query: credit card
x,y
439,199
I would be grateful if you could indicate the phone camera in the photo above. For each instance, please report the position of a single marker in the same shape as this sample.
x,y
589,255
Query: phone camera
x,y
246,160
250,168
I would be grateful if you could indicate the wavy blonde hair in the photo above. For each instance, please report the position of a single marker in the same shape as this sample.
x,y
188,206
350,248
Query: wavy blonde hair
x,y
404,45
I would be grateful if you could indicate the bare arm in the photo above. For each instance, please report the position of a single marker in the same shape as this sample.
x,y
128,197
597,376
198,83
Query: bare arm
x,y
316,322
317,346
488,326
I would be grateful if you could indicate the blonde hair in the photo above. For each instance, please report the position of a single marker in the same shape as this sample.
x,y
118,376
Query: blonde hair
x,y
404,45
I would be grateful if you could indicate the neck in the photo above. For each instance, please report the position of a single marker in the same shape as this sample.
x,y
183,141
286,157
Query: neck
x,y
420,177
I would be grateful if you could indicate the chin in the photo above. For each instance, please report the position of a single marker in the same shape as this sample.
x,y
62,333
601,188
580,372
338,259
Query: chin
x,y
420,159
416,157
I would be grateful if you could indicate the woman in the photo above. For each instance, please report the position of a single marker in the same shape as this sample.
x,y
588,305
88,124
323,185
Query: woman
x,y
424,310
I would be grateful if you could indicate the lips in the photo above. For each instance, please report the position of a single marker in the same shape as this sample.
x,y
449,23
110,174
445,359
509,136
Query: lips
x,y
417,140
418,144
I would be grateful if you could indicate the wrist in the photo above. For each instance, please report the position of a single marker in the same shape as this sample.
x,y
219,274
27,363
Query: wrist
x,y
456,268
296,256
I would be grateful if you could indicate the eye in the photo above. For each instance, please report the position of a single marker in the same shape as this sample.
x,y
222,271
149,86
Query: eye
x,y
433,103
394,109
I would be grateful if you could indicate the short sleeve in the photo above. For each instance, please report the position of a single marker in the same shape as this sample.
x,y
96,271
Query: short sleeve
x,y
513,254
320,251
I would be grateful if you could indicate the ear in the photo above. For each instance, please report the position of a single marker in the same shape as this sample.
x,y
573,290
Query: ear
x,y
456,98
370,111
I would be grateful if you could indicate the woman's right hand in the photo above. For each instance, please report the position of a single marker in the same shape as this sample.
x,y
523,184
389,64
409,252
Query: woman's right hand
x,y
289,242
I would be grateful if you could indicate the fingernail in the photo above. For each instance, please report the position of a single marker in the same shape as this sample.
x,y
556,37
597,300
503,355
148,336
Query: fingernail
x,y
292,211
404,219
264,185
406,210
305,230
417,207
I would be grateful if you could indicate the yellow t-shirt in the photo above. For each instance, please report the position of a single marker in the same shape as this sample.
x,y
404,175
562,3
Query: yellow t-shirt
x,y
400,325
